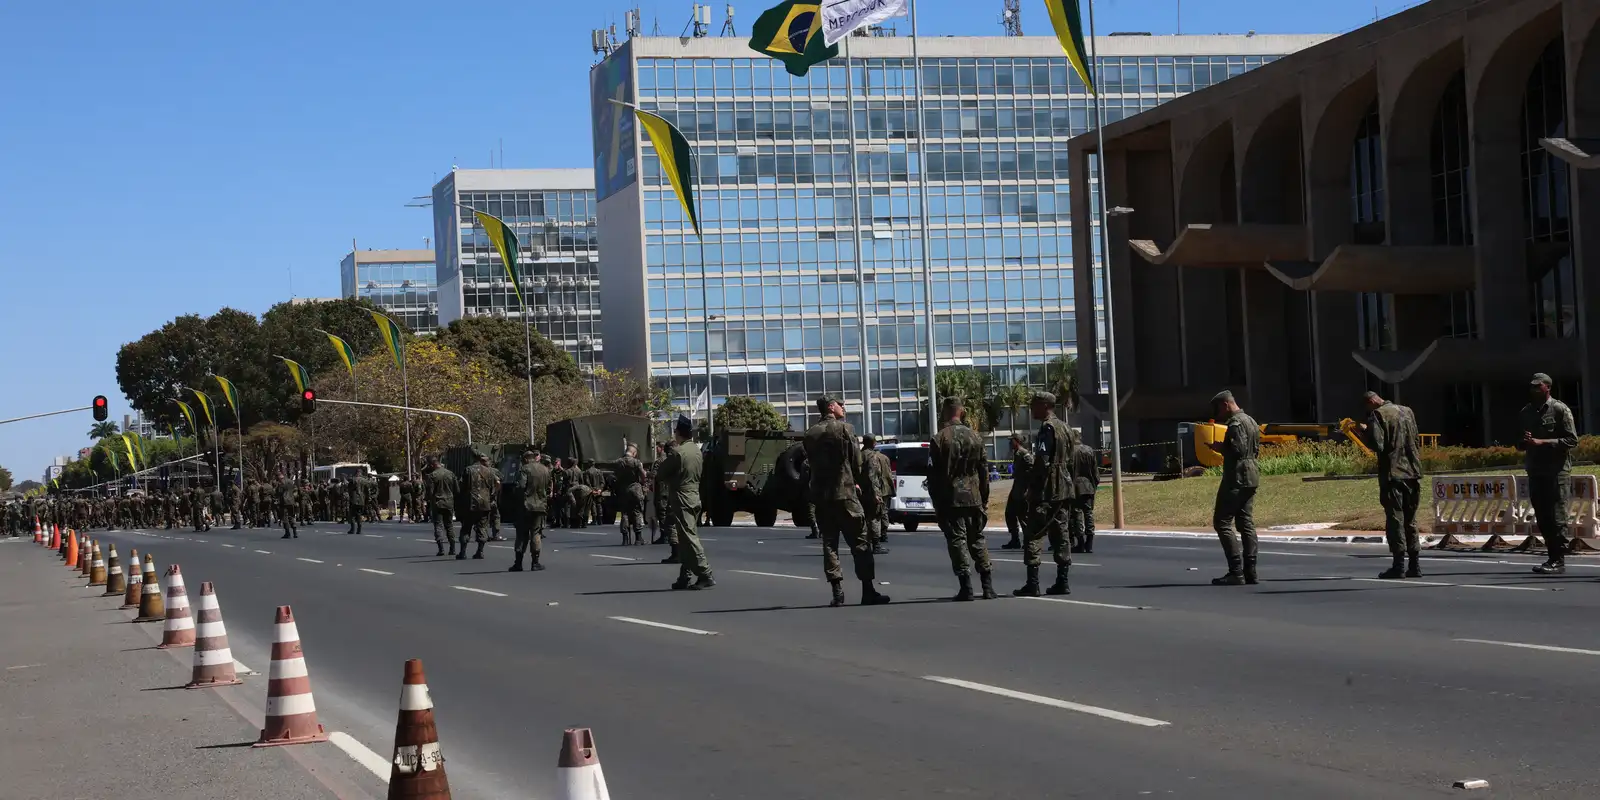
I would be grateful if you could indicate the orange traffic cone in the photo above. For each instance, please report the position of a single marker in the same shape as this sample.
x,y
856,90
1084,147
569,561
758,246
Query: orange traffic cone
x,y
418,771
38,535
179,630
55,540
70,558
291,716
213,659
151,608
116,582
97,567
130,597
578,772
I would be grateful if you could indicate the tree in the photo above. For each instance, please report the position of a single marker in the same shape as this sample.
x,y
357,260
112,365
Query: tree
x,y
292,330
28,486
269,447
750,414
972,386
502,342
1012,398
620,393
1061,378
101,430
5,479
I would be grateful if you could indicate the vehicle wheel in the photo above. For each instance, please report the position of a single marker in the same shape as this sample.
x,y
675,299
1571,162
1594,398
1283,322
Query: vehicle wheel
x,y
722,519
911,527
766,519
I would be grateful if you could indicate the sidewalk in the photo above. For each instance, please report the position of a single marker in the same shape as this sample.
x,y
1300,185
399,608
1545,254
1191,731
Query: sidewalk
x,y
91,711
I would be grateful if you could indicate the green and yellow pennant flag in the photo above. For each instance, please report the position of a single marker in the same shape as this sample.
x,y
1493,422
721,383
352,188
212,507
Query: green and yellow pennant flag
x,y
392,336
229,393
205,405
188,414
346,354
116,466
132,460
302,379
505,242
792,33
1068,22
677,160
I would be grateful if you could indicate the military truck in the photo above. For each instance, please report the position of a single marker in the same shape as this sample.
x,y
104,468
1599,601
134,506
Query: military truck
x,y
599,438
756,472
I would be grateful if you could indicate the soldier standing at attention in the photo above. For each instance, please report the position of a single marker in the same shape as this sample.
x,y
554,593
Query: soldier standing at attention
x,y
578,489
1049,494
264,505
288,500
214,500
357,505
197,509
1017,500
680,477
1392,434
877,487
835,461
630,496
494,506
1548,436
169,508
595,479
669,528
236,505
533,483
1085,482
1236,495
959,486
481,484
440,489
406,488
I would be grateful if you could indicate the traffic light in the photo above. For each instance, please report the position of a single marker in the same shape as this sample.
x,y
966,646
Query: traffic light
x,y
308,401
100,408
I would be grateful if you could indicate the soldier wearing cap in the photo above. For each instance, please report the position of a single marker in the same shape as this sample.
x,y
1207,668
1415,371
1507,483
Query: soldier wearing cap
x,y
1085,482
958,483
481,487
629,494
288,494
356,491
1548,436
680,488
1017,500
439,489
1049,495
877,489
835,461
1392,434
1236,495
533,483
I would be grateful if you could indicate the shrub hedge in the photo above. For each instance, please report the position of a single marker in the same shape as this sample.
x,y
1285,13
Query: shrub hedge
x,y
1343,458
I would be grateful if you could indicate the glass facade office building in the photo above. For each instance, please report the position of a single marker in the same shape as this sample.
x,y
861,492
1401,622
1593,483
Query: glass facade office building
x,y
781,296
401,282
552,212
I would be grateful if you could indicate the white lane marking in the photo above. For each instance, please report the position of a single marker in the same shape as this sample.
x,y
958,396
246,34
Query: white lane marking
x,y
774,574
241,669
679,628
589,533
265,552
1119,716
1545,647
360,754
373,536
375,571
613,558
1414,582
1019,561
23,666
226,545
479,591
309,560
429,541
1302,555
1087,603
1167,547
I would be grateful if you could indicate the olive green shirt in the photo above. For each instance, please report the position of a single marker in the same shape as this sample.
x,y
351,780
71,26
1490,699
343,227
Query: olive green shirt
x,y
440,488
1550,420
835,460
1392,432
481,486
534,481
1241,445
1021,469
1085,470
1050,478
877,475
960,475
679,476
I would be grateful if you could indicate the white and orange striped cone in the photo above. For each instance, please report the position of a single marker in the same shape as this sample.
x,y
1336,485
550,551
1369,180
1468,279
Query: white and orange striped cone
x,y
578,773
97,567
116,582
55,540
179,630
151,607
213,659
130,597
291,716
38,535
37,528
56,530
85,557
418,766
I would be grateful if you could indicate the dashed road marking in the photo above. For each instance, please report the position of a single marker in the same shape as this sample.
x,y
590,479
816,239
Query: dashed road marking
x,y
774,574
309,560
613,558
1087,603
1019,561
360,754
1132,719
479,591
265,552
376,571
663,625
1525,646
225,545
1414,582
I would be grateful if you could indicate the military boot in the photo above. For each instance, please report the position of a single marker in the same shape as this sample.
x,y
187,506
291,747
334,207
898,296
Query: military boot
x,y
838,595
986,579
879,550
1250,571
1088,543
870,596
965,593
462,553
1557,565
441,550
1060,586
704,582
681,583
478,554
1031,588
535,566
516,566
1014,544
452,549
1397,570
672,559
1412,569
1234,576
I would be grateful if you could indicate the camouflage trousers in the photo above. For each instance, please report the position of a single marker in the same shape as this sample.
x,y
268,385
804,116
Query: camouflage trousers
x,y
964,537
877,519
1047,520
1400,499
835,518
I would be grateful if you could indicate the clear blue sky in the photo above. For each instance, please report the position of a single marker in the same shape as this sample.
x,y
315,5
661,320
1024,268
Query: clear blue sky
x,y
176,157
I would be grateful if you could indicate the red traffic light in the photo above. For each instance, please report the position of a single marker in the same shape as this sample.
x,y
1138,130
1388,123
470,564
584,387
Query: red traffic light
x,y
308,401
100,408
310,395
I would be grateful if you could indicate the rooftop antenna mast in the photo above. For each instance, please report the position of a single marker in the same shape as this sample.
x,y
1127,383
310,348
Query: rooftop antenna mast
x,y
727,24
699,26
631,22
604,40
1011,17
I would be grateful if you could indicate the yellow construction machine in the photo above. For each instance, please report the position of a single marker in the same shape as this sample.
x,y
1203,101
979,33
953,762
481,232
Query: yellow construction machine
x,y
1195,438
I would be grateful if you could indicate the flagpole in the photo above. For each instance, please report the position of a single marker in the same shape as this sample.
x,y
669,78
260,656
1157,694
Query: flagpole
x,y
922,190
1105,260
527,343
855,205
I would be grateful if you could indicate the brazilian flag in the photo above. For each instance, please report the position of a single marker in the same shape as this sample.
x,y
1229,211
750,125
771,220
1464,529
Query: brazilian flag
x,y
677,160
1068,22
792,33
505,242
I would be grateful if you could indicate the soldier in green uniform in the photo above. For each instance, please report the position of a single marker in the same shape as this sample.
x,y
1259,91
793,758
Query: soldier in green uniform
x,y
835,461
288,497
215,503
1049,494
481,485
533,484
877,489
357,507
596,481
680,477
308,501
197,509
578,490
1085,482
1236,495
958,484
1017,500
630,496
1392,434
406,490
494,506
1548,436
439,489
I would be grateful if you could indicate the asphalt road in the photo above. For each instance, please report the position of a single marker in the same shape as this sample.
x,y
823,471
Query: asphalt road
x,y
1321,682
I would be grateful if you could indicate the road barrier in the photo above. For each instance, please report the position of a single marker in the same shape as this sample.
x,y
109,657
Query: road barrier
x,y
418,766
179,628
291,716
1496,507
213,659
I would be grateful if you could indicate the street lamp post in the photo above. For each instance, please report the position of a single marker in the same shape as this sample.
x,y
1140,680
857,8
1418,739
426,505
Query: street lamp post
x,y
1111,348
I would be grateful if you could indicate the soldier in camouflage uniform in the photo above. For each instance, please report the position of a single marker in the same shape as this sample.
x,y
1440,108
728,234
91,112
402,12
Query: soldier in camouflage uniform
x,y
357,505
1392,434
288,498
680,476
877,490
1236,495
629,492
578,491
1017,500
197,509
1548,436
481,487
1085,482
494,506
439,488
958,484
533,484
1049,494
835,461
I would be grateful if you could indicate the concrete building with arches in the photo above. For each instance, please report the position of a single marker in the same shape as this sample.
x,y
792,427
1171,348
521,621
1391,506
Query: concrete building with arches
x,y
1411,207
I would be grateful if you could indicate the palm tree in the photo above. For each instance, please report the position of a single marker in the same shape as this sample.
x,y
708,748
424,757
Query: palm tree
x,y
101,430
1013,398
972,386
1061,377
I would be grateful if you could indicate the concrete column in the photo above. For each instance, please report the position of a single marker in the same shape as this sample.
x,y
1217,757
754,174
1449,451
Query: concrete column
x,y
1266,347
1582,33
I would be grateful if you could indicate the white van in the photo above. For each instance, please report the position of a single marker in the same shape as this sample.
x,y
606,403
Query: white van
x,y
910,462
